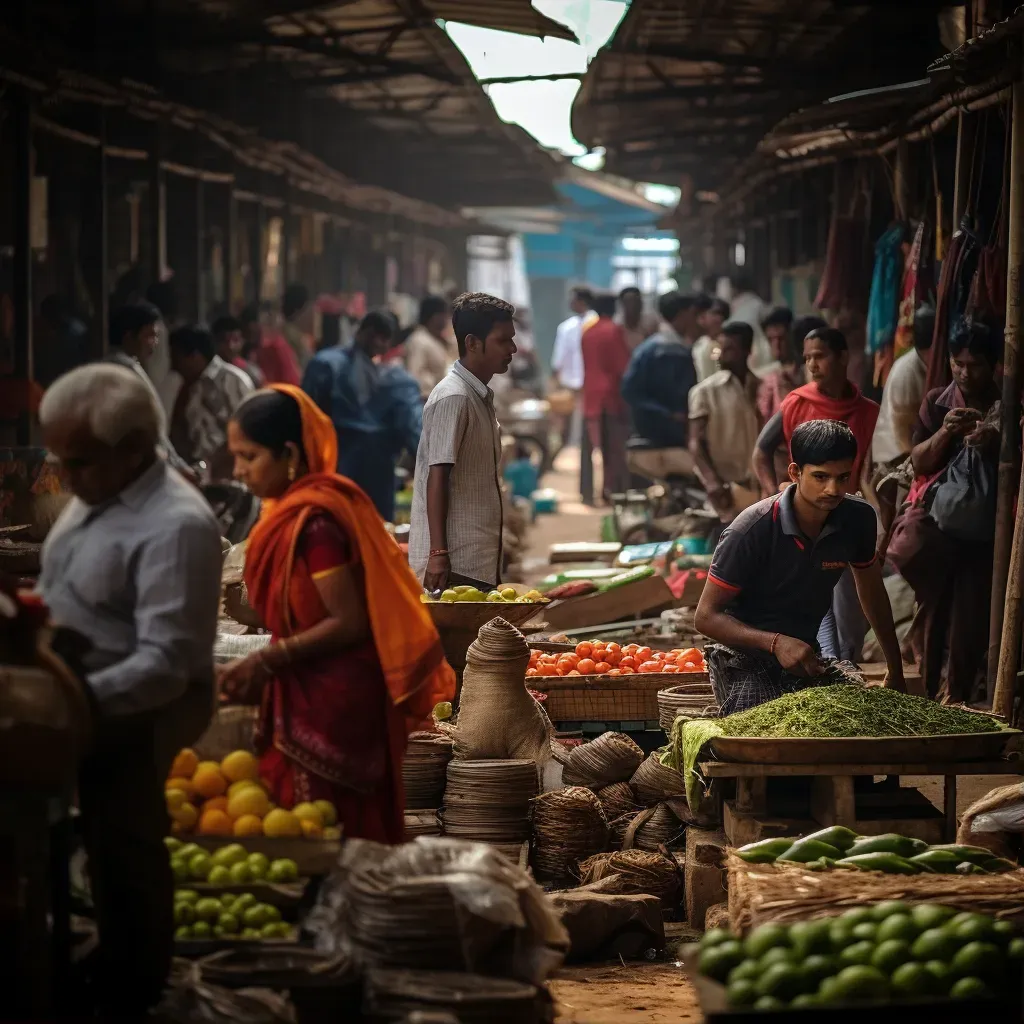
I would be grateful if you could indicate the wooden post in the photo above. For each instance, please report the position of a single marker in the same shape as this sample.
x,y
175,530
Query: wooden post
x,y
966,130
103,271
1005,625
157,254
231,252
200,251
21,110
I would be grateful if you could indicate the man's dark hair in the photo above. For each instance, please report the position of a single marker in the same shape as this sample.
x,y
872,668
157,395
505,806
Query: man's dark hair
x,y
671,304
249,315
604,304
164,296
582,294
431,306
192,338
721,307
978,338
924,326
703,302
819,441
380,323
476,313
780,316
741,331
630,289
296,298
804,325
131,319
832,336
225,325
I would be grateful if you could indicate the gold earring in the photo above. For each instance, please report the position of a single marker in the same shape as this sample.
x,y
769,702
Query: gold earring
x,y
291,473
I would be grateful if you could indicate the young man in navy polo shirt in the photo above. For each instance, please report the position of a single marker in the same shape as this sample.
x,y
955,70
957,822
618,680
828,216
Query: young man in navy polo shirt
x,y
775,568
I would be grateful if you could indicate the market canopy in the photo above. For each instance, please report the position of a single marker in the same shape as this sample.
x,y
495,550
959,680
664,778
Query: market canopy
x,y
683,93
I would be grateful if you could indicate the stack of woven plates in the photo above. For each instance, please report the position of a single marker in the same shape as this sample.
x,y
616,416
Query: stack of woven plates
x,y
696,700
489,801
423,770
421,823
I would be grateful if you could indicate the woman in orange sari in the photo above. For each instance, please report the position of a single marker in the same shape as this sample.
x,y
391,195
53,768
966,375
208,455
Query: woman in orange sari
x,y
355,663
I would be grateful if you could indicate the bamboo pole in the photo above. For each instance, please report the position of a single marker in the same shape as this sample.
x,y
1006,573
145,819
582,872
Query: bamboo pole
x,y
1007,567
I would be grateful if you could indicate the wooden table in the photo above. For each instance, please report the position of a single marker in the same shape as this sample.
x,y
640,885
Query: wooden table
x,y
833,798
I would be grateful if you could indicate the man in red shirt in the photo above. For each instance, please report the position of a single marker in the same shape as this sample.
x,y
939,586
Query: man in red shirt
x,y
605,358
829,395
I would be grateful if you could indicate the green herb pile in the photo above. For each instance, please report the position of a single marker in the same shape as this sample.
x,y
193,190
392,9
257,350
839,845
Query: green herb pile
x,y
824,712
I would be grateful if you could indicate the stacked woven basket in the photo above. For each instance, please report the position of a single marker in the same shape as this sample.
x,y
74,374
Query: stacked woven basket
x,y
489,801
423,770
697,700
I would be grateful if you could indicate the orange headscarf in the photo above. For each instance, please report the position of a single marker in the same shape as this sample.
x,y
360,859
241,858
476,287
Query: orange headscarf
x,y
404,634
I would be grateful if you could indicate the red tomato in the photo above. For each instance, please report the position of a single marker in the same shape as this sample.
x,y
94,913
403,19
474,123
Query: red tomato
x,y
670,658
670,669
531,672
614,672
601,668
584,650
547,670
586,667
650,666
626,672
643,654
613,648
627,662
613,658
572,673
690,654
689,666
630,649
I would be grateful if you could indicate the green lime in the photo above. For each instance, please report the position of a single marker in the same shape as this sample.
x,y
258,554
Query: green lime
x,y
742,992
284,930
255,917
809,937
219,875
218,932
777,955
885,909
1015,950
973,929
189,850
827,991
978,960
818,967
283,870
769,1003
840,934
928,915
202,930
243,902
890,954
179,868
715,962
913,979
746,971
860,983
866,931
229,923
250,933
259,864
856,915
714,937
1004,931
934,944
208,909
233,853
805,1001
199,866
942,975
172,844
184,913
240,873
182,934
272,914
856,955
765,937
971,988
897,926
228,901
185,896
782,981
269,930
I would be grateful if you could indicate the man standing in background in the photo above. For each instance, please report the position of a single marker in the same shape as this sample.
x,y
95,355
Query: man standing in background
x,y
567,370
605,415
637,324
749,307
294,307
427,355
711,314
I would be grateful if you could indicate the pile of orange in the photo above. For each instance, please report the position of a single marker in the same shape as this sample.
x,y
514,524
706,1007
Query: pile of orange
x,y
228,798
600,659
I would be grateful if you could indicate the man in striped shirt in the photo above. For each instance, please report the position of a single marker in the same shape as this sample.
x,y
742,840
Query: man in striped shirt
x,y
457,503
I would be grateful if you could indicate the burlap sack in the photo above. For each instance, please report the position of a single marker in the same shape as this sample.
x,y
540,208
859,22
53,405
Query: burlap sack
x,y
1001,833
497,716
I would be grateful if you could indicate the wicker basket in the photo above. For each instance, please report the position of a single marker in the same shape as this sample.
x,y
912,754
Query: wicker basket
x,y
611,757
569,825
604,698
695,699
635,873
654,781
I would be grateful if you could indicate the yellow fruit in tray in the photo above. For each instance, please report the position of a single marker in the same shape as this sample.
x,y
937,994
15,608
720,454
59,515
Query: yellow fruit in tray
x,y
237,787
328,814
240,765
332,832
449,596
185,785
250,800
185,764
509,593
218,803
215,823
248,825
184,817
175,799
280,822
311,830
309,812
209,781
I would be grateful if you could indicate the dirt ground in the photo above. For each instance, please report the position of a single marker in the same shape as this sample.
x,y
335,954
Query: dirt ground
x,y
648,993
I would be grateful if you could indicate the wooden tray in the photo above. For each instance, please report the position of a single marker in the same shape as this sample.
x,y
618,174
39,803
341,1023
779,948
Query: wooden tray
x,y
972,746
607,698
284,896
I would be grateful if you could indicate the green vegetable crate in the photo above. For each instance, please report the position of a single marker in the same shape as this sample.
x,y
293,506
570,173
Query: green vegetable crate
x,y
886,959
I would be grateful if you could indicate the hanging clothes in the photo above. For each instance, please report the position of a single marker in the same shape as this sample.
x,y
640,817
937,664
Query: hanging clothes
x,y
914,289
951,302
886,279
844,278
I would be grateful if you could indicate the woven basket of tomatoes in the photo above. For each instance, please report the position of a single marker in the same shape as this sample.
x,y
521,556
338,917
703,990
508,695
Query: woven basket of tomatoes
x,y
608,682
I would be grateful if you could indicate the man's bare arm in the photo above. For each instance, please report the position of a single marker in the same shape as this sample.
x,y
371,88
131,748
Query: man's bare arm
x,y
439,567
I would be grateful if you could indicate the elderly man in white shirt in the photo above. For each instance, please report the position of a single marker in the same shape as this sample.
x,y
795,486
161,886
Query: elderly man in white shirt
x,y
133,565
567,369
